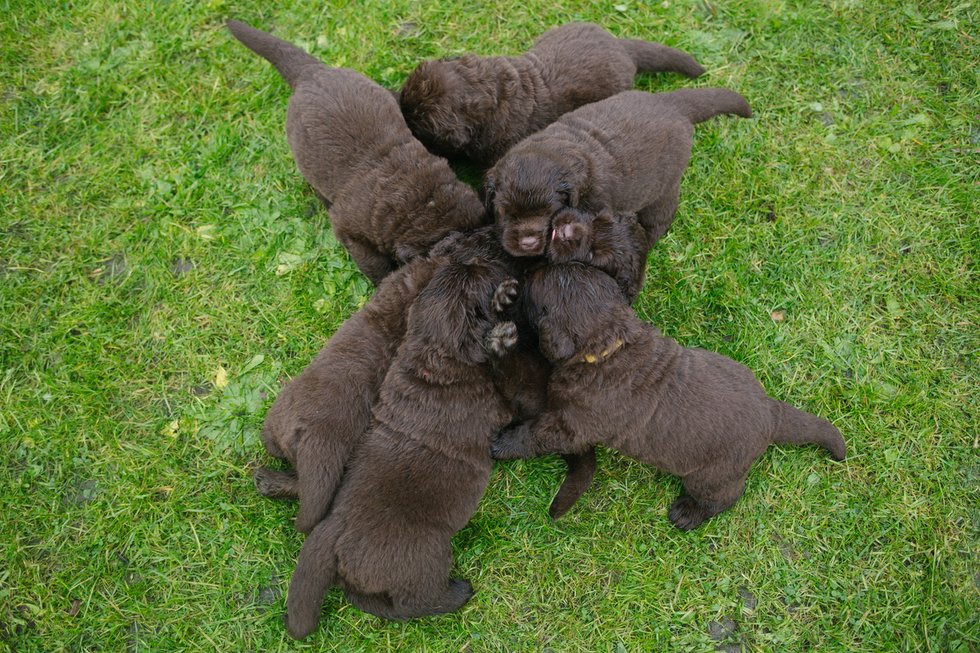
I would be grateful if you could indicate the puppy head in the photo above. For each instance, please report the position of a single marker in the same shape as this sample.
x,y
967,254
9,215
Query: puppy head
x,y
615,243
577,309
483,243
409,280
523,192
434,208
572,236
449,320
443,101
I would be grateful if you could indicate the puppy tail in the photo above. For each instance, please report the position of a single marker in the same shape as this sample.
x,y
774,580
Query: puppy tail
x,y
316,572
651,57
794,426
288,59
700,104
578,478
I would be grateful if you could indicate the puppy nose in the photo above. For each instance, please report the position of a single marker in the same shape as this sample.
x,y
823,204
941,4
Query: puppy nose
x,y
564,232
529,243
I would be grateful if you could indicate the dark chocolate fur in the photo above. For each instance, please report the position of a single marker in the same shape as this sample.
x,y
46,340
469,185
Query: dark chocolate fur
x,y
420,471
318,418
626,153
519,373
480,106
617,381
616,244
389,199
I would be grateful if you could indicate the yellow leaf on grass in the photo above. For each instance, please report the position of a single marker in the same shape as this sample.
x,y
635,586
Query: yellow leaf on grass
x,y
170,429
220,378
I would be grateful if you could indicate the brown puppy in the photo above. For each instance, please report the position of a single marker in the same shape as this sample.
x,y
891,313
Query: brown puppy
x,y
318,418
419,473
613,242
389,199
480,106
626,153
619,382
520,372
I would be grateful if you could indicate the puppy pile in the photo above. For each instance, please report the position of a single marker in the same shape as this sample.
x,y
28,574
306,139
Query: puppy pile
x,y
502,326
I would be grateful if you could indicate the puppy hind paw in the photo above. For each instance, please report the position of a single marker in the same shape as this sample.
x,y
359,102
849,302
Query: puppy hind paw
x,y
276,484
686,513
502,338
505,295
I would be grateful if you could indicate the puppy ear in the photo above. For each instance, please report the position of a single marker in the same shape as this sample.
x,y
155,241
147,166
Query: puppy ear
x,y
605,215
430,80
417,87
554,341
568,194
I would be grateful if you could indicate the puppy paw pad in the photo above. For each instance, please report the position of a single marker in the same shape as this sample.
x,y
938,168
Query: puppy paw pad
x,y
505,295
502,338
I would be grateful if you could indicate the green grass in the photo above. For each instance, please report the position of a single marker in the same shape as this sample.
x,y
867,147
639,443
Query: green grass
x,y
154,230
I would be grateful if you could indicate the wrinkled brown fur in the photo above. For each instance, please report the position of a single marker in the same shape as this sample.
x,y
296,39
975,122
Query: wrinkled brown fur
x,y
613,242
319,417
619,382
420,471
480,106
626,153
389,199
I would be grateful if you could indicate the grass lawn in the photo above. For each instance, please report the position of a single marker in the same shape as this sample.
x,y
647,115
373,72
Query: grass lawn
x,y
163,267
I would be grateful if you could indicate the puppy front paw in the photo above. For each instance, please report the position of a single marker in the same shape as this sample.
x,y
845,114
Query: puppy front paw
x,y
505,295
502,338
510,443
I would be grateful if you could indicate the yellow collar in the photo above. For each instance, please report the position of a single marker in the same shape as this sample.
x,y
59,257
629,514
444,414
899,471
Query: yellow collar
x,y
604,354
